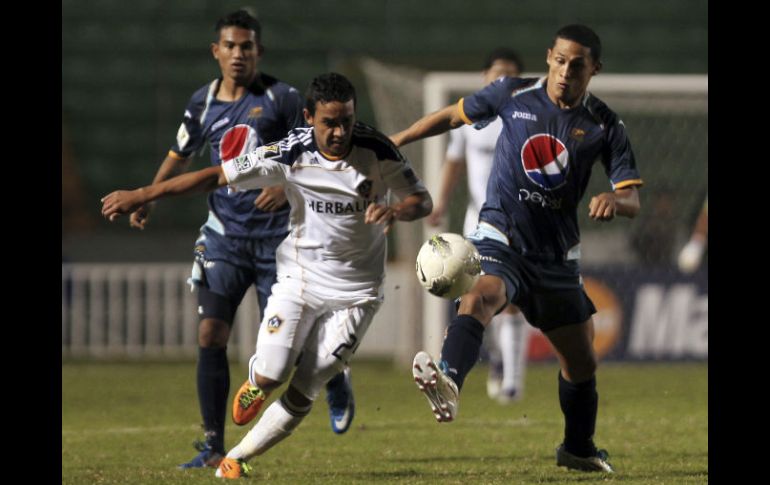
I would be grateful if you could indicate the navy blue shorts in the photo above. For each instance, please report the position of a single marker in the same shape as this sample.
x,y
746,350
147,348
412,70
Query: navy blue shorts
x,y
549,293
228,266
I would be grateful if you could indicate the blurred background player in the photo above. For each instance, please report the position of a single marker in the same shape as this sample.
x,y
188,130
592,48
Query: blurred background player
x,y
471,150
235,113
339,175
528,236
691,255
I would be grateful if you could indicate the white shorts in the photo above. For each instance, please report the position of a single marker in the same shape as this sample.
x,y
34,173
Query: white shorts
x,y
316,332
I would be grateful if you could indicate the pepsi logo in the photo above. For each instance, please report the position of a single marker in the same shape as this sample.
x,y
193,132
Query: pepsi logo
x,y
545,160
238,140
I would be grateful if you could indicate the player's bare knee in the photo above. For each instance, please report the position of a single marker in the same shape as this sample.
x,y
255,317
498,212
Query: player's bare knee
x,y
265,383
478,305
213,333
581,371
271,366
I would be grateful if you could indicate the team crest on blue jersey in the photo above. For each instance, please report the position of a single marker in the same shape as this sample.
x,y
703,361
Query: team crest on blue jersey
x,y
545,160
255,112
577,134
364,189
274,324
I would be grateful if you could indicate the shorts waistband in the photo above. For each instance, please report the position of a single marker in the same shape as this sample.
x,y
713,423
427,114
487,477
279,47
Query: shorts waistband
x,y
485,230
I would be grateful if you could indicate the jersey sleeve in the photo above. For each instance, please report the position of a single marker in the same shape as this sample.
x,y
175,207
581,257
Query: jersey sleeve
x,y
485,104
267,165
618,157
400,178
189,136
455,149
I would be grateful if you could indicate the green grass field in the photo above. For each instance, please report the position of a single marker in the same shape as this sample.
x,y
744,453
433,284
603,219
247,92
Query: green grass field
x,y
132,423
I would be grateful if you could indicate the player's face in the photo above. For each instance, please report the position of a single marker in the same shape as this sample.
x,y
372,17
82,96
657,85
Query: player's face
x,y
500,68
570,68
333,126
238,54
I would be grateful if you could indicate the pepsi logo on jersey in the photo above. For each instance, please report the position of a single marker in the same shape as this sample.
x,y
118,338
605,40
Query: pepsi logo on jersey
x,y
545,160
544,200
238,140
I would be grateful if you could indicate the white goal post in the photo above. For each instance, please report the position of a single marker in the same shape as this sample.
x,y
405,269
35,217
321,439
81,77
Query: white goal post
x,y
660,102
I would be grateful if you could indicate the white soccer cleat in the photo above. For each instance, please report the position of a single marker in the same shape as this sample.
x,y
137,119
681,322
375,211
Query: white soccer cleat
x,y
440,389
596,463
508,396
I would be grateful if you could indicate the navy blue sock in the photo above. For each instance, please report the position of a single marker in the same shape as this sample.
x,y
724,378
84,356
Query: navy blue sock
x,y
579,403
461,347
213,378
335,381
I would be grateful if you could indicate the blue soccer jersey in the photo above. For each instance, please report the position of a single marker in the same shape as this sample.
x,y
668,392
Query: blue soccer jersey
x,y
543,160
267,111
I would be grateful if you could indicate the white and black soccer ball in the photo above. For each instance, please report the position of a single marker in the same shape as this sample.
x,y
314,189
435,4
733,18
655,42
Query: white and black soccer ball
x,y
448,265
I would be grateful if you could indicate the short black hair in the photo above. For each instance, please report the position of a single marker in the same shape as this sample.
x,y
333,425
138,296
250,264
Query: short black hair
x,y
240,18
584,36
329,87
505,54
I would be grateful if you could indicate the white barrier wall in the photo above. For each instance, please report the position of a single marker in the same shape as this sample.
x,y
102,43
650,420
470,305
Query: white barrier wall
x,y
148,310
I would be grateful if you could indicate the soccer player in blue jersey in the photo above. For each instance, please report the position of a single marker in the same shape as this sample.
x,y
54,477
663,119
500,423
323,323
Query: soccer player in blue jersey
x,y
527,235
340,176
235,113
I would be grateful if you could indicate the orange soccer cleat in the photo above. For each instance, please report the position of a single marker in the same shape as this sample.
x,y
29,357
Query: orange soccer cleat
x,y
232,468
247,403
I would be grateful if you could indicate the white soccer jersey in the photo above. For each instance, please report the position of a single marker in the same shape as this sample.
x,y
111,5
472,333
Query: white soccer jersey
x,y
329,245
477,148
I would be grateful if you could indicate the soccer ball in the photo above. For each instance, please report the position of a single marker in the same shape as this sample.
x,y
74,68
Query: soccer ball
x,y
448,265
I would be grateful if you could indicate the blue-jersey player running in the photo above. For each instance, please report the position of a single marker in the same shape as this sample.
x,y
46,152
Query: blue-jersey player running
x,y
527,235
236,113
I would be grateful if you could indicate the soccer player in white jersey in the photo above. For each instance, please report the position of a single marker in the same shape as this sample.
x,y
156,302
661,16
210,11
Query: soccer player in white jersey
x,y
471,150
338,175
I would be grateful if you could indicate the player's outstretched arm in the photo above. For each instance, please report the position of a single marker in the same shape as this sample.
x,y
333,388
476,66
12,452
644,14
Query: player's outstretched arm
x,y
171,166
433,124
126,201
414,206
622,202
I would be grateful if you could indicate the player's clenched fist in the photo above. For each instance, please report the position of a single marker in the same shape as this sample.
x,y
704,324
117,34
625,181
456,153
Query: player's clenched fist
x,y
380,214
121,202
602,207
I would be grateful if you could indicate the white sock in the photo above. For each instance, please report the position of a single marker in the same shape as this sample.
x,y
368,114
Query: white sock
x,y
520,345
507,346
490,341
275,424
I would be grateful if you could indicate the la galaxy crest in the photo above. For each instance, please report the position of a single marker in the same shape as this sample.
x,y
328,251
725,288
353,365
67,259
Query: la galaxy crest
x,y
274,324
364,189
